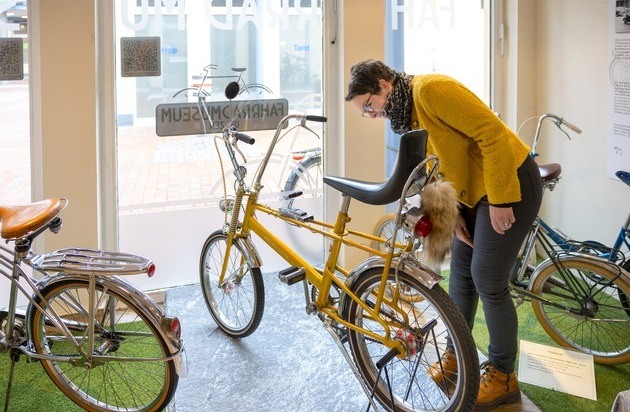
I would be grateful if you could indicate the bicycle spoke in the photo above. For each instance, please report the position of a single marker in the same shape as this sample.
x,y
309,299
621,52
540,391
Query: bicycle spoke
x,y
127,371
583,310
424,327
236,304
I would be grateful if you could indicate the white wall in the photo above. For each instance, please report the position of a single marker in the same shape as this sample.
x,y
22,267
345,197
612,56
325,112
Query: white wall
x,y
572,81
363,142
63,116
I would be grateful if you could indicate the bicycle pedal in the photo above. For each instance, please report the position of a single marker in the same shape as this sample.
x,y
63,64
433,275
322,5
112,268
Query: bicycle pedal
x,y
296,214
292,195
292,275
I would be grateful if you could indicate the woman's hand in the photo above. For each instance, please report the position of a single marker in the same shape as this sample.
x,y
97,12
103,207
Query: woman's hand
x,y
502,218
461,232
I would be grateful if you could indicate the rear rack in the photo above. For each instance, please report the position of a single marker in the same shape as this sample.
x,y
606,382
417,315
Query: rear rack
x,y
91,261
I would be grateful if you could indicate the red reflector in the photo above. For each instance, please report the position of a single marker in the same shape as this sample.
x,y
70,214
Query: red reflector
x,y
298,157
423,226
176,327
151,270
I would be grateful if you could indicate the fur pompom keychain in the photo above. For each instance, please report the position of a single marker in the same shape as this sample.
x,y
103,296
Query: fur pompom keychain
x,y
439,201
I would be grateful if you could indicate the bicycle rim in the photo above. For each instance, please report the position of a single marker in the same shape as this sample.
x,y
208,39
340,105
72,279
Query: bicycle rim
x,y
237,305
624,297
130,373
433,322
307,177
384,228
591,314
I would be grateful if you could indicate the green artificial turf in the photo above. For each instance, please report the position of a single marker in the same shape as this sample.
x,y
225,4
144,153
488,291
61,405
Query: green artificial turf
x,y
32,390
609,380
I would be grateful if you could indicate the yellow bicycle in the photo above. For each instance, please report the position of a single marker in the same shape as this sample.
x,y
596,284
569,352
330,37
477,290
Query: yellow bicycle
x,y
392,343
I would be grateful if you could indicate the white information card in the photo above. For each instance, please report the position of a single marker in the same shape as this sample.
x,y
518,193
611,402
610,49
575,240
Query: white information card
x,y
556,368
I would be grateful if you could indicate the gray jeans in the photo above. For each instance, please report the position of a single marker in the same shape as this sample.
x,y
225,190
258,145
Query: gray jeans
x,y
483,272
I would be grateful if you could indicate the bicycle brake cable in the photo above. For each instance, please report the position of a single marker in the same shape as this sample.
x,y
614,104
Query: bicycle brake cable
x,y
559,123
303,124
216,146
235,145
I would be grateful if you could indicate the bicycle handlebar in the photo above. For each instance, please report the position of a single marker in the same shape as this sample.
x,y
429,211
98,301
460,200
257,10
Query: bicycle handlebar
x,y
571,126
231,136
559,122
303,118
244,138
313,118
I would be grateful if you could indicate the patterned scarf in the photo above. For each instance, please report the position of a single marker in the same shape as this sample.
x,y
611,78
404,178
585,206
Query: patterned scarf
x,y
399,102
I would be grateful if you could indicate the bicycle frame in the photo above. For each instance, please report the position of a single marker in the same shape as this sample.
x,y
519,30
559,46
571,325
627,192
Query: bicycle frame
x,y
16,275
544,236
238,78
567,244
622,238
396,254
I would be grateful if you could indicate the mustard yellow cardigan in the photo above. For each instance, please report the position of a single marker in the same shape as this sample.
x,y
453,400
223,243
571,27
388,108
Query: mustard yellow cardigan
x,y
478,153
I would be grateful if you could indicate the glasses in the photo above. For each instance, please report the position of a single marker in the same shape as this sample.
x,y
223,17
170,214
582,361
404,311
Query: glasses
x,y
367,106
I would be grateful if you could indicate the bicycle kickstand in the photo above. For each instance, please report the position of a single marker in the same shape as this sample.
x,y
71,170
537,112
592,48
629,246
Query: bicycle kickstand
x,y
15,355
381,366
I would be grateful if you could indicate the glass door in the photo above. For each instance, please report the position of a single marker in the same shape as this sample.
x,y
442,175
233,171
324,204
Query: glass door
x,y
169,173
446,37
15,157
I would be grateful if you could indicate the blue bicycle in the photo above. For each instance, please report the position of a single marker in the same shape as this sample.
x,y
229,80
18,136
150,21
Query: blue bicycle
x,y
579,292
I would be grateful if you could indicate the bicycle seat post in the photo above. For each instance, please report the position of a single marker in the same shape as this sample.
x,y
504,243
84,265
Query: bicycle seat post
x,y
342,219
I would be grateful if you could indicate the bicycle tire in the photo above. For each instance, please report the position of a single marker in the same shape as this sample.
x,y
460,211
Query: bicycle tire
x,y
189,93
412,386
238,306
307,176
258,89
119,380
590,317
623,297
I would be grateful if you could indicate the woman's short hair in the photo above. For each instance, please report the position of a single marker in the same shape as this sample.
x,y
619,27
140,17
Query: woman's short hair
x,y
364,77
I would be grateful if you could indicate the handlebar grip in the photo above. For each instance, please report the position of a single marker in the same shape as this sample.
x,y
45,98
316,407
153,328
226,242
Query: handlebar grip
x,y
244,138
313,118
572,127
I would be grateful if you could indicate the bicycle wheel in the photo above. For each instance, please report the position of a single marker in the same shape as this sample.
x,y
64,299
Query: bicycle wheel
x,y
426,328
385,228
307,176
581,308
130,370
255,90
191,93
237,305
623,297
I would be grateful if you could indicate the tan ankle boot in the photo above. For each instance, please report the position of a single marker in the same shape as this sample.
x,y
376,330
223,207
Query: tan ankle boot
x,y
444,371
496,388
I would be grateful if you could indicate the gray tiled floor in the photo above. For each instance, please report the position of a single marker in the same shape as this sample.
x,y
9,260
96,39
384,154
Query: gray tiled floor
x,y
290,363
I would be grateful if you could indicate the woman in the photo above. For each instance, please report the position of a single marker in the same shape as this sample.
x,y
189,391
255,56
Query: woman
x,y
499,189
